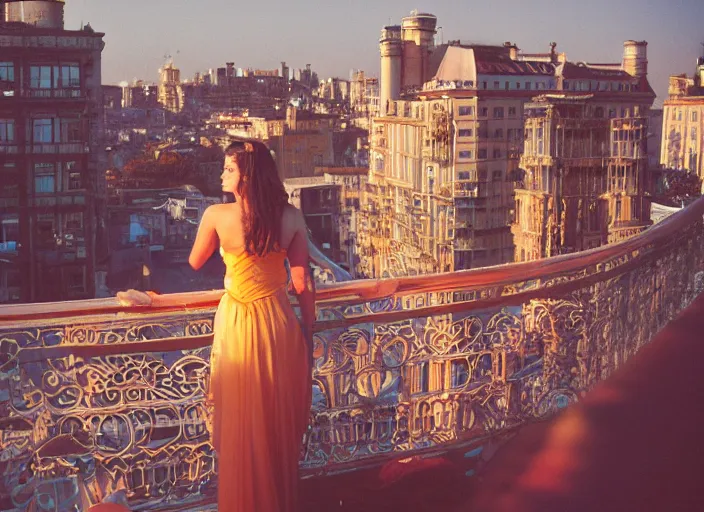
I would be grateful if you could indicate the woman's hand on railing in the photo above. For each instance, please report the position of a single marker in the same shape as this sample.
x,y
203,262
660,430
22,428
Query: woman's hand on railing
x,y
135,298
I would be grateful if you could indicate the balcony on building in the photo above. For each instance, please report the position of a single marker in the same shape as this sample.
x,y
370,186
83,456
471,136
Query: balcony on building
x,y
103,401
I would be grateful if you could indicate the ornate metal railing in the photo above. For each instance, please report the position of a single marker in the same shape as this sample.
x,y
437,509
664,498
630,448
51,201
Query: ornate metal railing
x,y
95,397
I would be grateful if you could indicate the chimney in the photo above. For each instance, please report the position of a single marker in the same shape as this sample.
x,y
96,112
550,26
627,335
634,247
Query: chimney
x,y
512,50
40,14
635,58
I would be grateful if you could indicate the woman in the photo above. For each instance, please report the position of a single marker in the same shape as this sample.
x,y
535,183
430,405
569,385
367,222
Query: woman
x,y
260,382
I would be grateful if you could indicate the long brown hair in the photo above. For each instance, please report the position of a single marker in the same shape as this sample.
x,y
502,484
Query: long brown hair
x,y
263,195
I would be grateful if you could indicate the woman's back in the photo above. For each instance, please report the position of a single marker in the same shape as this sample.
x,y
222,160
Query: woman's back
x,y
249,277
229,224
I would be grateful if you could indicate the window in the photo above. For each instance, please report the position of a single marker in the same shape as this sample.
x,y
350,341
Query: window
x,y
484,112
498,112
9,232
528,86
693,134
679,115
74,177
612,113
497,153
466,111
42,130
499,133
497,84
496,176
518,85
73,221
70,131
463,175
511,111
7,130
483,85
47,131
694,116
9,179
69,76
466,132
45,230
40,77
465,154
7,72
44,178
482,154
566,85
63,76
507,85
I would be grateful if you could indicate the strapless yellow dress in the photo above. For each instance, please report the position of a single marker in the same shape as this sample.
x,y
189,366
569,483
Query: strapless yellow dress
x,y
260,387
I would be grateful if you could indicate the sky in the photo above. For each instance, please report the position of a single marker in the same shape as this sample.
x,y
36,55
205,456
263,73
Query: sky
x,y
340,35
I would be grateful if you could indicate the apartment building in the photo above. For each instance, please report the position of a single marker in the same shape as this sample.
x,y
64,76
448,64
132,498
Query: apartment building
x,y
52,164
445,151
683,123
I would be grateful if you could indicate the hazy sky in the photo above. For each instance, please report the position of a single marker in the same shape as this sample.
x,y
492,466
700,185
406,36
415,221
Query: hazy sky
x,y
338,35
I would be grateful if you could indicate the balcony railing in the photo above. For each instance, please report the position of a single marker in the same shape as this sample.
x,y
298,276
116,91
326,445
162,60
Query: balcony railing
x,y
62,148
97,397
59,93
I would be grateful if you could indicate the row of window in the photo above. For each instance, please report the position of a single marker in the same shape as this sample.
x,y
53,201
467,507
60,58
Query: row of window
x,y
593,85
48,178
482,175
67,226
518,85
567,85
677,115
58,76
44,130
511,133
468,110
482,154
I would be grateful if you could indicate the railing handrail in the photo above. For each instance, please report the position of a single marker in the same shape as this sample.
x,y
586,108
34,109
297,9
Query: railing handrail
x,y
375,289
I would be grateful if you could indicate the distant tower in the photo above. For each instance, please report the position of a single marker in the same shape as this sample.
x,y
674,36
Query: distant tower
x,y
39,13
391,50
170,91
635,58
418,34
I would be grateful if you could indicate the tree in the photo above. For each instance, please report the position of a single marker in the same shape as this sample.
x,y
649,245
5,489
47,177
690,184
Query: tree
x,y
677,187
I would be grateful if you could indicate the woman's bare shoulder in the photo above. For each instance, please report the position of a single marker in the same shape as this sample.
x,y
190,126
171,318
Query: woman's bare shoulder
x,y
292,214
218,210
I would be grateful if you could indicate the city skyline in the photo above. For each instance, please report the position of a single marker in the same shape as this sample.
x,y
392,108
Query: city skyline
x,y
199,40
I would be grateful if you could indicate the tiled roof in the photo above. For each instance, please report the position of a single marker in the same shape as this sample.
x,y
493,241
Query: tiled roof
x,y
571,70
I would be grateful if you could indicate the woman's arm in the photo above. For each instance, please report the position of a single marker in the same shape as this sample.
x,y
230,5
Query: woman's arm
x,y
206,240
301,278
